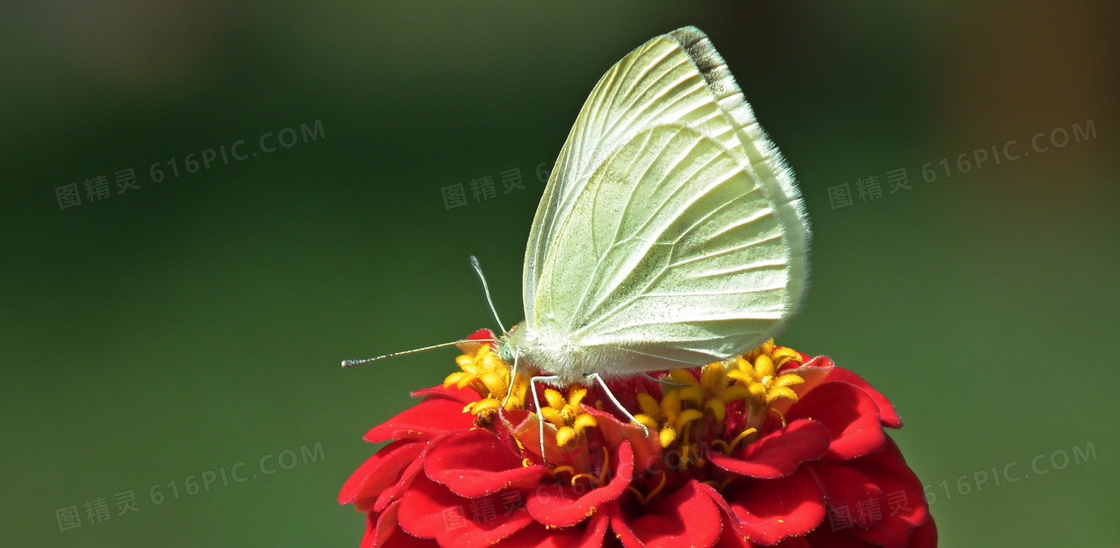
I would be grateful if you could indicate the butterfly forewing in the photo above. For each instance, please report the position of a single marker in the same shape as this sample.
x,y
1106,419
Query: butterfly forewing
x,y
658,83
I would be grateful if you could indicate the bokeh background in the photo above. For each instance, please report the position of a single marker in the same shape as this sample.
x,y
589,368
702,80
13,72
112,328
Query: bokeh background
x,y
185,326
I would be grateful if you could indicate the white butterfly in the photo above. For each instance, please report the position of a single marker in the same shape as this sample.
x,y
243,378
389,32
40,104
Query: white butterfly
x,y
671,233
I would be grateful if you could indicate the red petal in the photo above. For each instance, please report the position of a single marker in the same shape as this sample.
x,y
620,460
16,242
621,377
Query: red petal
x,y
369,540
398,490
779,453
813,372
430,510
732,539
795,542
687,517
563,505
772,510
401,487
589,534
476,463
851,416
925,536
903,496
825,537
480,335
527,432
378,473
844,487
647,449
427,420
462,395
734,532
887,413
386,534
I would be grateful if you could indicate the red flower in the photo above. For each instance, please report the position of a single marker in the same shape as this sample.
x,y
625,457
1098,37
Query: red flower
x,y
773,449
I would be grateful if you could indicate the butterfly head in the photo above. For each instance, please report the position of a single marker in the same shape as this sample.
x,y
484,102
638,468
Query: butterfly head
x,y
509,343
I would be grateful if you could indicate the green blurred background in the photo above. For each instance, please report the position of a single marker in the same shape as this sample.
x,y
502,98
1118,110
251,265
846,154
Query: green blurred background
x,y
178,329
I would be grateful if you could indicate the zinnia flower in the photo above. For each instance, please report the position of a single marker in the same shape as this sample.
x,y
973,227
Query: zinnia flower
x,y
774,450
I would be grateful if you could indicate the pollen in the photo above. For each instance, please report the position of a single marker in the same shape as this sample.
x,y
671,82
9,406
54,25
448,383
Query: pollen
x,y
723,406
672,415
487,374
694,408
567,414
758,373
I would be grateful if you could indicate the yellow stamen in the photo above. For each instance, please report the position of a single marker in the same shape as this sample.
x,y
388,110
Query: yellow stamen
x,y
712,378
687,416
680,376
692,408
561,469
575,396
645,500
718,409
567,414
726,450
692,394
789,380
555,400
781,417
660,486
488,375
649,405
583,422
671,403
552,415
565,434
594,480
647,421
606,464
667,436
735,442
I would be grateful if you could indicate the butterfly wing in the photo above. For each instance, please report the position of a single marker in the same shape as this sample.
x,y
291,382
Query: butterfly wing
x,y
670,229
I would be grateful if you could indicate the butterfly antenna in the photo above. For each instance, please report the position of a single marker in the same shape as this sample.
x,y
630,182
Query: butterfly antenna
x,y
486,288
355,363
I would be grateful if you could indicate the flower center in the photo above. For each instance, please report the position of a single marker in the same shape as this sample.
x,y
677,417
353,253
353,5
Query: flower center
x,y
694,412
486,373
721,407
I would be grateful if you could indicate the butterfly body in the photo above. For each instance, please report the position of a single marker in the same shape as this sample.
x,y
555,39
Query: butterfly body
x,y
567,359
670,233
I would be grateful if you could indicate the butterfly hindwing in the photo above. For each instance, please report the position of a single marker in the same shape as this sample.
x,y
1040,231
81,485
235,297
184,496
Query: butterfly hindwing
x,y
672,253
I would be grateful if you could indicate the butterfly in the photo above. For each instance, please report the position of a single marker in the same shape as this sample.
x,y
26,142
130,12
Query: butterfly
x,y
671,233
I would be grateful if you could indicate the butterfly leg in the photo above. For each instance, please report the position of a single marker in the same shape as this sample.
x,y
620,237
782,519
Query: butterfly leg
x,y
512,379
615,401
540,416
663,381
